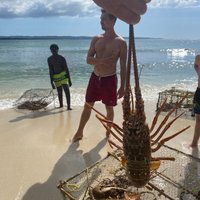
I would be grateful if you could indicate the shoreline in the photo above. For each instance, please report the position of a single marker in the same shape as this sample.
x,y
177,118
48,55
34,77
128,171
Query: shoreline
x,y
149,93
36,151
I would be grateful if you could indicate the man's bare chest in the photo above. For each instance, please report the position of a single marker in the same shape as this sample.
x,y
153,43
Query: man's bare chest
x,y
106,47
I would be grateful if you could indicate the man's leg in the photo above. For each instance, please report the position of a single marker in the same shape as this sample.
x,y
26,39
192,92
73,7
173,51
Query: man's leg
x,y
60,96
84,119
196,131
67,94
110,116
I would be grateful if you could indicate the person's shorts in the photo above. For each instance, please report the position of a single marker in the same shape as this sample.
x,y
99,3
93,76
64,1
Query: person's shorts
x,y
102,89
196,101
60,79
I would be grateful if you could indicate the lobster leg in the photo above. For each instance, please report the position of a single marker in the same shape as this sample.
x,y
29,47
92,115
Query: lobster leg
x,y
108,125
114,144
162,142
165,129
163,158
112,124
157,115
108,128
117,128
167,117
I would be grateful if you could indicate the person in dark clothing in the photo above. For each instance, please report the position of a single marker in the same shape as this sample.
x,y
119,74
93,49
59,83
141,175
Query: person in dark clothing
x,y
59,75
196,103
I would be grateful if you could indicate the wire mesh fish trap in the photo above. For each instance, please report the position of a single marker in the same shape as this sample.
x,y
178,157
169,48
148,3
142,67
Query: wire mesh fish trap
x,y
35,99
107,180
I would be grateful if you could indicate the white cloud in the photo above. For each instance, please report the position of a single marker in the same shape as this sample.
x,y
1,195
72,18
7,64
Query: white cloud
x,y
46,8
42,8
174,3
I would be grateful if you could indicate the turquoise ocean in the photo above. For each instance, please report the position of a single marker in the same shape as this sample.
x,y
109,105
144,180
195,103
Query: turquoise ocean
x,y
163,63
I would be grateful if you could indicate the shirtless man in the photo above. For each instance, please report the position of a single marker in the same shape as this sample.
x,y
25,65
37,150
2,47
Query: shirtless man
x,y
197,105
103,54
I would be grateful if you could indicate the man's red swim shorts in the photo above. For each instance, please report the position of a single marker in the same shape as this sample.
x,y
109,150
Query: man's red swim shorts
x,y
102,88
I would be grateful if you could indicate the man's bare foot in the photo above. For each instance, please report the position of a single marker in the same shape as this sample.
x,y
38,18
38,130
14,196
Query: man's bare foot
x,y
189,146
77,137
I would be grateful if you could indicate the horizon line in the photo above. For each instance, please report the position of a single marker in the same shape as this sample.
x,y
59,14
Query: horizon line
x,y
40,37
61,37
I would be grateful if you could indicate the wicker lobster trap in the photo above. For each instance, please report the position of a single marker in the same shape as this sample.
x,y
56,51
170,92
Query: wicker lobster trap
x,y
173,96
179,179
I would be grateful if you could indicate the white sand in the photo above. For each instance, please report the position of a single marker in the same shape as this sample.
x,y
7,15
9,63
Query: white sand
x,y
36,151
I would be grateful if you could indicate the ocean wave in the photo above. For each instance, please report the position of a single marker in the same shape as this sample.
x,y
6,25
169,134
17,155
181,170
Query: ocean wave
x,y
149,93
6,104
8,101
72,51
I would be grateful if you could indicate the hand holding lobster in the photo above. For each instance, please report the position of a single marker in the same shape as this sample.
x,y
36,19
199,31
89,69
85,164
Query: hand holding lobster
x,y
128,11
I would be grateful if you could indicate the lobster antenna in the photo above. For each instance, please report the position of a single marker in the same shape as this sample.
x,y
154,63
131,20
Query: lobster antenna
x,y
138,94
137,84
128,72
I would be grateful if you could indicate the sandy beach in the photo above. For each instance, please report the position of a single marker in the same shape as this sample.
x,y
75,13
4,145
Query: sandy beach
x,y
36,151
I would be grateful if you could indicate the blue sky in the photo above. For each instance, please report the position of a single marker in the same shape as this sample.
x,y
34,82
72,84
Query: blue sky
x,y
164,18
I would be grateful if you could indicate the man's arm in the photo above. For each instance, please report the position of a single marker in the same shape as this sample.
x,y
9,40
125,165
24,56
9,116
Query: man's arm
x,y
92,52
67,71
123,58
50,68
197,68
51,73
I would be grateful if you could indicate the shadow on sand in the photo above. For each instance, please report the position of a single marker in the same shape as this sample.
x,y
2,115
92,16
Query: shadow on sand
x,y
191,179
93,155
36,114
70,163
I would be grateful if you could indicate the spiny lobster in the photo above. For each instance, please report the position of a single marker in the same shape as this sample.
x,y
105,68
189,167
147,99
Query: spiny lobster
x,y
139,141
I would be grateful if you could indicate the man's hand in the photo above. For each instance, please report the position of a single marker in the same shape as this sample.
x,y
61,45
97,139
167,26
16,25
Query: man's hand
x,y
52,85
126,10
70,83
120,93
